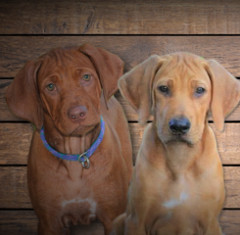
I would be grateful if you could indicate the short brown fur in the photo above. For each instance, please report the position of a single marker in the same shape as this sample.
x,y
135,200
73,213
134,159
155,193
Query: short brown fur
x,y
62,192
177,185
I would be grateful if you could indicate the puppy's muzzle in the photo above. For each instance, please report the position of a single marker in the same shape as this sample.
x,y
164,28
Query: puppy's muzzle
x,y
179,126
77,113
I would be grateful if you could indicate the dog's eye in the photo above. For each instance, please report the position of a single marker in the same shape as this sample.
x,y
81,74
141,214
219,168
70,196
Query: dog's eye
x,y
86,77
164,89
199,91
51,87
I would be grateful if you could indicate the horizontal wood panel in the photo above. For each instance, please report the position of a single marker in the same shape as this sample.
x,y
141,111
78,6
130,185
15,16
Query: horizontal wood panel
x,y
116,17
228,141
16,50
129,111
229,221
19,222
25,223
15,139
14,193
111,17
6,115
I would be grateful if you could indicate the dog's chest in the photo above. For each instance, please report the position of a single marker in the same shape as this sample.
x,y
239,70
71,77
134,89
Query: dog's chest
x,y
185,203
78,210
177,195
187,193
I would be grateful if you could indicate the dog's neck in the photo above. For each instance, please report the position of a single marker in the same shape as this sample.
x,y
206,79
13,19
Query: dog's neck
x,y
69,144
179,156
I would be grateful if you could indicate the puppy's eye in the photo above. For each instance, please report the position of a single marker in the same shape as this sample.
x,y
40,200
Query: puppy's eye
x,y
51,86
200,91
86,77
164,89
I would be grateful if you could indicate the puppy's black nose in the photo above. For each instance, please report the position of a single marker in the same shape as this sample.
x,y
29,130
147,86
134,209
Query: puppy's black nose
x,y
179,125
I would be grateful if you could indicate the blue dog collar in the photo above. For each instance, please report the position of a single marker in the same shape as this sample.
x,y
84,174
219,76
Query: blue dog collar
x,y
84,157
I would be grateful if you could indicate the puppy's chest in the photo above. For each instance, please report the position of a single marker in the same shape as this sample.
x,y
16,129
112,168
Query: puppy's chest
x,y
78,210
188,197
176,194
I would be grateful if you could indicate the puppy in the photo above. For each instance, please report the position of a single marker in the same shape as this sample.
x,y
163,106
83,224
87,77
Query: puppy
x,y
80,159
177,185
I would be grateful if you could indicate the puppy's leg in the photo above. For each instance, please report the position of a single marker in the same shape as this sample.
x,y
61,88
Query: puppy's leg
x,y
107,227
214,229
108,221
118,225
132,227
51,229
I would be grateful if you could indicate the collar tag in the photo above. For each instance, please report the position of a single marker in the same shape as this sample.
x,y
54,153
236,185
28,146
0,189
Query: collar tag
x,y
84,161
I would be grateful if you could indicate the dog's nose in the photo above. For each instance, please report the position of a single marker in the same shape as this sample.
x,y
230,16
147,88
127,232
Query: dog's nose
x,y
179,125
77,113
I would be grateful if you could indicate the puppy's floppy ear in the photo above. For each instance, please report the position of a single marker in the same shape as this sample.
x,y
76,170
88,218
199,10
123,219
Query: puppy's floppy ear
x,y
225,93
136,86
22,95
108,66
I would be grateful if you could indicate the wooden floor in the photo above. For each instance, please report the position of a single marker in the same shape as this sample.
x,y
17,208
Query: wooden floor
x,y
133,30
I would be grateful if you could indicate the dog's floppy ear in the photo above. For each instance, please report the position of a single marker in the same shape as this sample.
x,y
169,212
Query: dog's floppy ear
x,y
136,86
108,66
22,95
225,93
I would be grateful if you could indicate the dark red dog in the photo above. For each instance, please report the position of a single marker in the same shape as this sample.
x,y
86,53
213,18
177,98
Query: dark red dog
x,y
80,160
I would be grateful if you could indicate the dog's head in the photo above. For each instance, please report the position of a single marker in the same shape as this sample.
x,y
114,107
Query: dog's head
x,y
179,90
64,86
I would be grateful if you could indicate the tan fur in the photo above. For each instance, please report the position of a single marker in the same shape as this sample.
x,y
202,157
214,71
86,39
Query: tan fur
x,y
63,192
177,185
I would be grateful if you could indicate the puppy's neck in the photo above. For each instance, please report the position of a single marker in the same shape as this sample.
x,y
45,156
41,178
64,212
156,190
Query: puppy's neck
x,y
179,156
69,144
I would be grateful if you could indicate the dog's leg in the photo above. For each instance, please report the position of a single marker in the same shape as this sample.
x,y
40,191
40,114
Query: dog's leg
x,y
132,228
118,225
107,227
50,229
214,229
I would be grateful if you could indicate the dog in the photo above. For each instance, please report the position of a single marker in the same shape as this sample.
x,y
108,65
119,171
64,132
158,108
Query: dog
x,y
80,159
177,185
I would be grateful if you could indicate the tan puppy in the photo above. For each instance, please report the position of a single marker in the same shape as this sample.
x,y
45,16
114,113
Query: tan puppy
x,y
177,185
67,91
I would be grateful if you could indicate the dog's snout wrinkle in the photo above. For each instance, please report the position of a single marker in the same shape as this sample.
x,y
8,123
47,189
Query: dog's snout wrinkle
x,y
179,125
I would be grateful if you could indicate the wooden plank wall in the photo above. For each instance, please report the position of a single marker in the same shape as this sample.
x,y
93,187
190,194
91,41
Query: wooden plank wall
x,y
133,30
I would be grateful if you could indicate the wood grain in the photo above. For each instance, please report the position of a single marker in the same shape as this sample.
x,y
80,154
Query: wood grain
x,y
129,111
14,193
229,221
23,222
116,17
16,50
69,23
228,141
15,141
6,115
19,222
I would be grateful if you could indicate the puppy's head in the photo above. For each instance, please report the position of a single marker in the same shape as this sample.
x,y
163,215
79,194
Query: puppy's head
x,y
179,90
64,87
